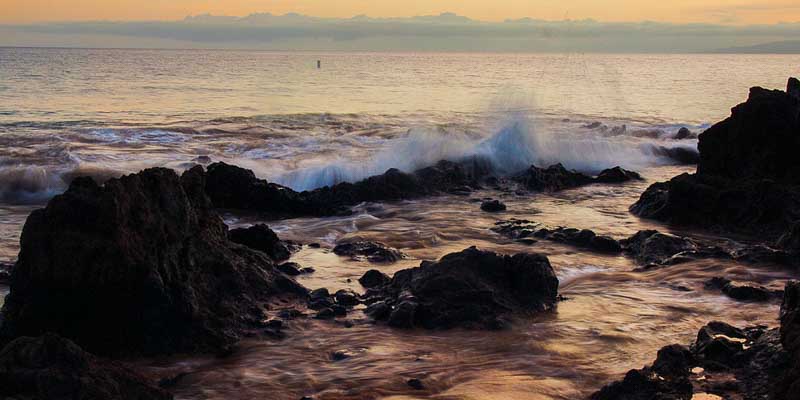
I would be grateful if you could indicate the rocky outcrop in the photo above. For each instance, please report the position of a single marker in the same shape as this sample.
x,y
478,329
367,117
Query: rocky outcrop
x,y
493,206
789,386
748,175
232,187
725,361
654,247
471,288
5,272
617,175
375,252
741,292
50,367
261,238
522,230
556,177
374,278
140,265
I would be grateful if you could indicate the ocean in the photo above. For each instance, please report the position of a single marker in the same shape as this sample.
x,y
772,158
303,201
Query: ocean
x,y
108,112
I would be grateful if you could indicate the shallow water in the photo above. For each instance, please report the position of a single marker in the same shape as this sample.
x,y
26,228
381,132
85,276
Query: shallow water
x,y
613,319
103,113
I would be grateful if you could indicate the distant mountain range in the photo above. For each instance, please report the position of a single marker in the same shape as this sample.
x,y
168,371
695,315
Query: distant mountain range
x,y
443,32
782,47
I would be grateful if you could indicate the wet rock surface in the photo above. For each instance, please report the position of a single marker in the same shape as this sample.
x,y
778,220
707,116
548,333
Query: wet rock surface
x,y
747,176
557,177
519,229
493,206
140,265
471,289
261,238
373,278
726,361
654,247
375,252
742,292
5,272
51,367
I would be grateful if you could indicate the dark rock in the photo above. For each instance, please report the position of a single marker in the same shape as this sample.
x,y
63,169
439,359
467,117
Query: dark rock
x,y
237,188
415,384
684,133
141,265
325,313
493,206
551,179
340,355
260,237
307,270
653,247
346,297
5,272
378,310
373,278
790,241
339,310
789,385
666,379
290,268
740,292
583,238
51,367
680,155
748,175
617,175
374,251
471,288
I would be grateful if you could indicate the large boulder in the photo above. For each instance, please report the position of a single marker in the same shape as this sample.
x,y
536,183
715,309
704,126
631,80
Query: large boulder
x,y
761,139
654,247
666,379
748,175
140,265
471,288
260,237
50,367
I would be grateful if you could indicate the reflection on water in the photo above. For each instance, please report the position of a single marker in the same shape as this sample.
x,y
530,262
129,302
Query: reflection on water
x,y
613,319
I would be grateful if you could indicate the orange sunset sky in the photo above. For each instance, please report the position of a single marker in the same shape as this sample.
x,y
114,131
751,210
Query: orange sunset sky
x,y
681,11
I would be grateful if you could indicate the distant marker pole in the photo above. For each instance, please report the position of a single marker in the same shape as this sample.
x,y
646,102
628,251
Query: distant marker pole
x,y
319,64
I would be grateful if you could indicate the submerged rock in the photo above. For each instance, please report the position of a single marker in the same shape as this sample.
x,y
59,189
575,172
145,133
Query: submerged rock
x,y
556,177
493,206
654,247
684,133
523,229
617,175
51,367
261,238
748,175
471,288
141,265
373,251
739,291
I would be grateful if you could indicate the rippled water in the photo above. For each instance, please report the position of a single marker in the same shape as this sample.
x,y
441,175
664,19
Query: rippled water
x,y
103,113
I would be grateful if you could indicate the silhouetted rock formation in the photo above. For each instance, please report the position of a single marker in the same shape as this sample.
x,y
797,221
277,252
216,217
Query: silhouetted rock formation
x,y
471,288
233,187
493,206
50,367
260,237
584,238
741,292
373,251
748,176
724,360
140,265
789,386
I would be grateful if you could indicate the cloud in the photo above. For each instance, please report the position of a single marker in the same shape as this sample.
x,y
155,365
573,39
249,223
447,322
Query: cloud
x,y
444,32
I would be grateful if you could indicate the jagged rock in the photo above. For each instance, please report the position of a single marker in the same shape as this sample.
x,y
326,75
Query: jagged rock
x,y
684,133
5,272
523,229
493,206
290,268
789,386
261,238
680,155
373,278
666,379
617,175
471,288
740,292
53,368
373,251
233,187
141,265
346,298
551,179
748,175
653,247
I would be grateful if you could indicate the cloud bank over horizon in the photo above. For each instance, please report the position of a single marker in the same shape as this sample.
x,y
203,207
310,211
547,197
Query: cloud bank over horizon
x,y
444,32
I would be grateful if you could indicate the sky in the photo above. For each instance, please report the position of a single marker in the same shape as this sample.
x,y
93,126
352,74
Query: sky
x,y
637,26
676,11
